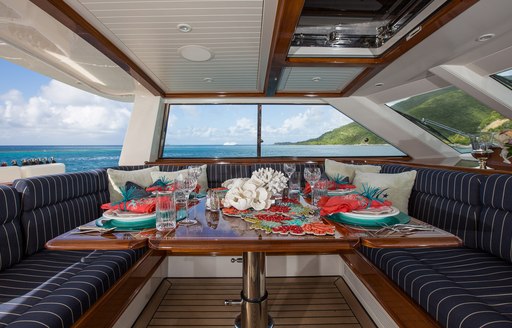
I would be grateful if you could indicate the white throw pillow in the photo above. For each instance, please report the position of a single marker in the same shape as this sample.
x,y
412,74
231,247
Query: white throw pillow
x,y
202,180
399,186
335,169
118,178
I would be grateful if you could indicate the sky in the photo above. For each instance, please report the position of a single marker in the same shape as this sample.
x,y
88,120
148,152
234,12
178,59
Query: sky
x,y
38,110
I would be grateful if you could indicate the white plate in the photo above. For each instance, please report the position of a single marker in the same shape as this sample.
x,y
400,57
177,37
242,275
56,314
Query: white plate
x,y
371,216
125,215
339,192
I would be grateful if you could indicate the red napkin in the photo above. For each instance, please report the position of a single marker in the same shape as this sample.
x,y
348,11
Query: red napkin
x,y
347,203
142,205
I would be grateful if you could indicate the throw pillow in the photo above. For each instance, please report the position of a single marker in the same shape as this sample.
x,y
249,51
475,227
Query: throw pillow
x,y
202,180
336,170
118,179
399,186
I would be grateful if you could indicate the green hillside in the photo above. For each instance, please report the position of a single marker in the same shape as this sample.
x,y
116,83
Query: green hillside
x,y
350,134
449,106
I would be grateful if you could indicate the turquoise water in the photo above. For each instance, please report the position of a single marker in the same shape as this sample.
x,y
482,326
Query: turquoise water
x,y
81,158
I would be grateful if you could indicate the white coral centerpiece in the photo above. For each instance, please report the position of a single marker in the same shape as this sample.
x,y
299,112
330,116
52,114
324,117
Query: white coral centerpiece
x,y
274,181
255,192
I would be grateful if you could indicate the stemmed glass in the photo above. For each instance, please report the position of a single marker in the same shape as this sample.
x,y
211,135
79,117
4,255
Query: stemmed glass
x,y
195,171
289,169
480,145
186,184
312,175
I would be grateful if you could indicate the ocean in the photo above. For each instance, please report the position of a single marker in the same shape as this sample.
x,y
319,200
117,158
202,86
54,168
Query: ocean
x,y
82,158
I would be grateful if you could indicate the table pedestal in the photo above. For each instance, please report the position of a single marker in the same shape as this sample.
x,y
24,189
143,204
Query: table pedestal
x,y
254,294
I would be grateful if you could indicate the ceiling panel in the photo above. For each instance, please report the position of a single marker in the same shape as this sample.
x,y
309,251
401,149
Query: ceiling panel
x,y
231,29
317,79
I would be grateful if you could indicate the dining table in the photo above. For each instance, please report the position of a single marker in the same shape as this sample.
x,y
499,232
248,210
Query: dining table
x,y
218,233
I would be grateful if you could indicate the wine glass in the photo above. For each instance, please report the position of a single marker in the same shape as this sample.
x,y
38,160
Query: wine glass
x,y
312,175
289,169
480,145
195,171
185,184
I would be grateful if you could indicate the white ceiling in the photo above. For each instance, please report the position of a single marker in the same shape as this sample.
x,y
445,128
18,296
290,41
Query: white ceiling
x,y
147,30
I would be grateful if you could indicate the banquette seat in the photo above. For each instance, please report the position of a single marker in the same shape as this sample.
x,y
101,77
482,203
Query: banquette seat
x,y
42,288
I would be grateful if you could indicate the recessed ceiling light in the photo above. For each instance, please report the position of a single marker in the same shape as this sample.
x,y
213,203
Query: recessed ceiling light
x,y
195,53
185,28
379,84
316,79
208,79
485,37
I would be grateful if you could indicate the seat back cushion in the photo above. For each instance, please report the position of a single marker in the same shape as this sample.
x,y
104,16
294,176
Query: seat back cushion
x,y
449,200
218,173
55,204
495,223
10,232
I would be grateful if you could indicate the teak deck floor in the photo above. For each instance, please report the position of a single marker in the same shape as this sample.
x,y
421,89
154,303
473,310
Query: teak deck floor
x,y
293,302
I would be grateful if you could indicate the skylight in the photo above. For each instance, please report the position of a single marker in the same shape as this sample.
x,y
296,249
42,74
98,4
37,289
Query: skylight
x,y
504,78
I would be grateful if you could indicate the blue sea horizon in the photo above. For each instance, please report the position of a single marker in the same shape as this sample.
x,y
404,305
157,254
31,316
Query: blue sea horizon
x,y
88,157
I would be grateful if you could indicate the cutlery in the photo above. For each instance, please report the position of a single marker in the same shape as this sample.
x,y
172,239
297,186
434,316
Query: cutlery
x,y
86,229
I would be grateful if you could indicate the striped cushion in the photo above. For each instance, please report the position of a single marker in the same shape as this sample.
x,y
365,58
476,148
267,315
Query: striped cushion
x,y
53,288
448,200
55,204
395,168
459,287
10,231
495,230
46,190
43,224
218,173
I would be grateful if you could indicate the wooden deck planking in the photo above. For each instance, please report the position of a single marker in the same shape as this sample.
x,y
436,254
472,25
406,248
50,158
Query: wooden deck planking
x,y
293,302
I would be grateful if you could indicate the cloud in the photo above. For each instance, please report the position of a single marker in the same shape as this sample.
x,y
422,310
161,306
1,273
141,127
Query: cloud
x,y
311,123
61,114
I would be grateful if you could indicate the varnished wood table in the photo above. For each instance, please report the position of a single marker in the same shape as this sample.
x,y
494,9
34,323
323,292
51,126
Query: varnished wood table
x,y
220,234
92,241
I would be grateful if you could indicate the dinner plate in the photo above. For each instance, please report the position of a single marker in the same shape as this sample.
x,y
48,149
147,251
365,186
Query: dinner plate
x,y
371,216
133,224
401,218
119,215
340,192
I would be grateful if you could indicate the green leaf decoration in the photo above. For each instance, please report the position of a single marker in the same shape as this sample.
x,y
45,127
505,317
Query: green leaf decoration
x,y
373,193
338,178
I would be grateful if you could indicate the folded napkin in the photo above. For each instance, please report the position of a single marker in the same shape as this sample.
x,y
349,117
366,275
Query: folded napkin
x,y
141,205
162,185
331,185
347,203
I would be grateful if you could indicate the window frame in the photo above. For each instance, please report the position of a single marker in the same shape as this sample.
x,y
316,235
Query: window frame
x,y
259,105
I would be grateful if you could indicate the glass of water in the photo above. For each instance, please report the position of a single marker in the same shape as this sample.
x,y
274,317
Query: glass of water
x,y
165,211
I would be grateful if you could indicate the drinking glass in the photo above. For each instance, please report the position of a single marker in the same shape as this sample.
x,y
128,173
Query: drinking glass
x,y
195,171
294,184
320,190
185,184
289,169
312,175
165,211
480,145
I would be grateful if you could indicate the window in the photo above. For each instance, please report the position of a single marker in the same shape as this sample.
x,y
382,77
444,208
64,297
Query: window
x,y
221,131
504,78
211,131
313,130
451,115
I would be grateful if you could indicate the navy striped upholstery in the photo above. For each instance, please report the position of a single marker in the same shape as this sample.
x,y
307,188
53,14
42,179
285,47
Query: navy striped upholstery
x,y
53,288
218,173
459,287
10,231
395,168
449,200
495,231
55,204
